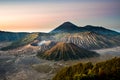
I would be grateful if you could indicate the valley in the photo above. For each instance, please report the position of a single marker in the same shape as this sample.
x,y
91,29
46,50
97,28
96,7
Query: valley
x,y
40,56
59,39
24,65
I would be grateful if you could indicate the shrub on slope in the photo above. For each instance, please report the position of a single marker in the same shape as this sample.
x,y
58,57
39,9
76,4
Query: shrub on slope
x,y
107,70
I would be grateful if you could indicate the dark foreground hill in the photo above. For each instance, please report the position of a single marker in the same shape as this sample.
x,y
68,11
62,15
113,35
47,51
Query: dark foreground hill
x,y
66,51
107,70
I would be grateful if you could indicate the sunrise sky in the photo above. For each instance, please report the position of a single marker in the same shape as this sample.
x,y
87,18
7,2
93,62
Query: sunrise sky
x,y
45,15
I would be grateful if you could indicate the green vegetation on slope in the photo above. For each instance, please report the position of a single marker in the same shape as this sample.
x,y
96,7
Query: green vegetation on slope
x,y
108,70
26,40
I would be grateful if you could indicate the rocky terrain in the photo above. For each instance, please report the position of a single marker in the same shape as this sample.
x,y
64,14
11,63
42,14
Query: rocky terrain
x,y
89,40
24,65
25,58
44,45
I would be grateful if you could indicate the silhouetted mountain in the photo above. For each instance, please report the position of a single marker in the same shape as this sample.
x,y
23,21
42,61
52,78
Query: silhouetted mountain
x,y
68,27
11,36
89,40
101,30
66,51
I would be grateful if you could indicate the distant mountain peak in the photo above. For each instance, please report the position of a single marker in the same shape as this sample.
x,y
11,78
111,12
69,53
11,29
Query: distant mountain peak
x,y
68,27
65,27
68,23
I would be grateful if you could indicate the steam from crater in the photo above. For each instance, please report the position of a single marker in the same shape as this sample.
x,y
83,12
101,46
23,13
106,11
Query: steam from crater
x,y
41,43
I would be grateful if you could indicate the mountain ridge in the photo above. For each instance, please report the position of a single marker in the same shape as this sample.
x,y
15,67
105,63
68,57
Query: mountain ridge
x,y
89,40
11,36
65,27
69,27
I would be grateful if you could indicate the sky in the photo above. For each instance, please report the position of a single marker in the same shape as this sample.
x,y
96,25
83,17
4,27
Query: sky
x,y
45,15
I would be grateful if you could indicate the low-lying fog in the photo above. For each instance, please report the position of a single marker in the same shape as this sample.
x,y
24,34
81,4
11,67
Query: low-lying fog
x,y
28,67
109,51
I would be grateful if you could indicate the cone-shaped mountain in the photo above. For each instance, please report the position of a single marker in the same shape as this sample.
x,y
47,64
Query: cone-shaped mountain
x,y
66,27
66,51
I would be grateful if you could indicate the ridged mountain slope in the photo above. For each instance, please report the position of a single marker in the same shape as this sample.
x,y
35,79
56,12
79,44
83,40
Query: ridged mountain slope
x,y
66,51
89,40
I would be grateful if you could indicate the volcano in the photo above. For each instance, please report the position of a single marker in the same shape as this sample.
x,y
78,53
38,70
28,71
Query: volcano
x,y
66,51
89,40
67,27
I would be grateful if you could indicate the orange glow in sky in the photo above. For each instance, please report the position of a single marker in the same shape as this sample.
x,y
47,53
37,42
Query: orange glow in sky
x,y
45,16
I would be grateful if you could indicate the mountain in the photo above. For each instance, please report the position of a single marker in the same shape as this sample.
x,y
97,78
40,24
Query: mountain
x,y
99,37
101,30
22,42
68,27
66,51
11,36
89,40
